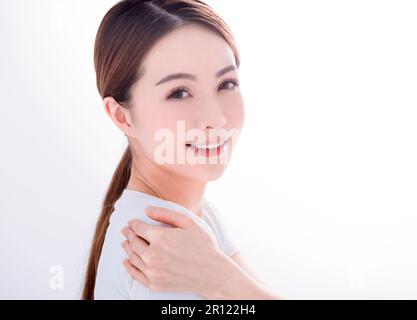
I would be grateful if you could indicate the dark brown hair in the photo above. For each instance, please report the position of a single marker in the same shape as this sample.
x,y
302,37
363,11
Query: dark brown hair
x,y
126,33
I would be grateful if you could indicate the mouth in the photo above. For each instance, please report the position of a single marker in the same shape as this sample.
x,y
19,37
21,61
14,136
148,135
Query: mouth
x,y
208,150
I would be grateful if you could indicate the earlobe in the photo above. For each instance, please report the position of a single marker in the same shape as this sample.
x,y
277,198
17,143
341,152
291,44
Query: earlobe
x,y
116,112
128,123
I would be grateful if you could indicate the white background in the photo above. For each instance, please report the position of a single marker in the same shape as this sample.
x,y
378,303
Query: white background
x,y
321,193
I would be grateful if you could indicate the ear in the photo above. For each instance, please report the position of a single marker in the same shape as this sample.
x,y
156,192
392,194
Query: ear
x,y
119,115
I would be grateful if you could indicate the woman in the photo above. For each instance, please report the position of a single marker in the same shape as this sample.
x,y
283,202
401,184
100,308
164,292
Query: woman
x,y
168,70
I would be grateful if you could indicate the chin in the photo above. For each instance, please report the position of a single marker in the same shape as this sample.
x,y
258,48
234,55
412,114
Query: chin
x,y
212,172
204,172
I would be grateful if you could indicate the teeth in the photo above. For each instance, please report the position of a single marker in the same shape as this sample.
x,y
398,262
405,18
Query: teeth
x,y
210,146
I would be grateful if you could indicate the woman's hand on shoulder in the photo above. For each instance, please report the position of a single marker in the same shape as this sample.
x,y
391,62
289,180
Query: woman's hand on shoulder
x,y
182,258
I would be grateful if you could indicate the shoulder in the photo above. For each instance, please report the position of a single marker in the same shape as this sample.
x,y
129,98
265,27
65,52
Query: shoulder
x,y
112,280
130,207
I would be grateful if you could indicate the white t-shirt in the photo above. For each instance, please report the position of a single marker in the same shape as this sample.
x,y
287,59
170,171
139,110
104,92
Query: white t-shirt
x,y
113,281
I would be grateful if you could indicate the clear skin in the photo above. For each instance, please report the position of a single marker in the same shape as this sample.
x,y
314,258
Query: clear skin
x,y
183,258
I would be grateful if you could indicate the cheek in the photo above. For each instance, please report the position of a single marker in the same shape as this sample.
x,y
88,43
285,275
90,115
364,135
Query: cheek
x,y
160,130
235,112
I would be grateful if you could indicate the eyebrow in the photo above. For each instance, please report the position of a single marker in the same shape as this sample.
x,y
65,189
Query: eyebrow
x,y
193,77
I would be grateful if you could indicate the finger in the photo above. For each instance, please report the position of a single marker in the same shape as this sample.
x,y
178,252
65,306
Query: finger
x,y
125,232
143,229
137,244
134,259
174,218
135,273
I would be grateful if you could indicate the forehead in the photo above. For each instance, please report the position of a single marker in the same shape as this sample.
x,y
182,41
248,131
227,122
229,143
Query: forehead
x,y
191,49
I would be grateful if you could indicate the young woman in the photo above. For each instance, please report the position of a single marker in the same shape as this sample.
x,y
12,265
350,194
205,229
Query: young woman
x,y
168,69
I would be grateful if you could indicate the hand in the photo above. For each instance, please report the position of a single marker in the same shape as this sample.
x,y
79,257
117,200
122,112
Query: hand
x,y
182,258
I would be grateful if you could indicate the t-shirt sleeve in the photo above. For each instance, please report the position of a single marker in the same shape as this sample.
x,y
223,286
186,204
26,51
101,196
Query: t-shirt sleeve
x,y
228,244
137,291
113,281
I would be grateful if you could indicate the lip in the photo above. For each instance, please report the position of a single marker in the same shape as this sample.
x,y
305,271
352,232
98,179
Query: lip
x,y
214,152
207,144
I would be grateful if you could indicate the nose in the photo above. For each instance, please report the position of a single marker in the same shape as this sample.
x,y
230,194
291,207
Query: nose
x,y
211,116
214,132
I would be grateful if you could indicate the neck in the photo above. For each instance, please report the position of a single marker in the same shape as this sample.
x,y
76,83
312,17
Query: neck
x,y
150,178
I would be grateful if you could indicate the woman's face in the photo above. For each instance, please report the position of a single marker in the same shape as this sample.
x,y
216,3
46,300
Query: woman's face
x,y
204,107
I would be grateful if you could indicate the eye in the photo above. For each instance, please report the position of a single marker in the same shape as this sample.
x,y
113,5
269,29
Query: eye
x,y
177,93
228,81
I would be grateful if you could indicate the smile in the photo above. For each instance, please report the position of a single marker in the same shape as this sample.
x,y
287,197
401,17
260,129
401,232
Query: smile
x,y
208,150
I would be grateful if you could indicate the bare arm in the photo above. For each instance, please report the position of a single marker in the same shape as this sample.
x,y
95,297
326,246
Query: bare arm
x,y
237,281
240,260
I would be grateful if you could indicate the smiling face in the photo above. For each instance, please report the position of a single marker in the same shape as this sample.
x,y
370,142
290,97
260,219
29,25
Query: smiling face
x,y
203,107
